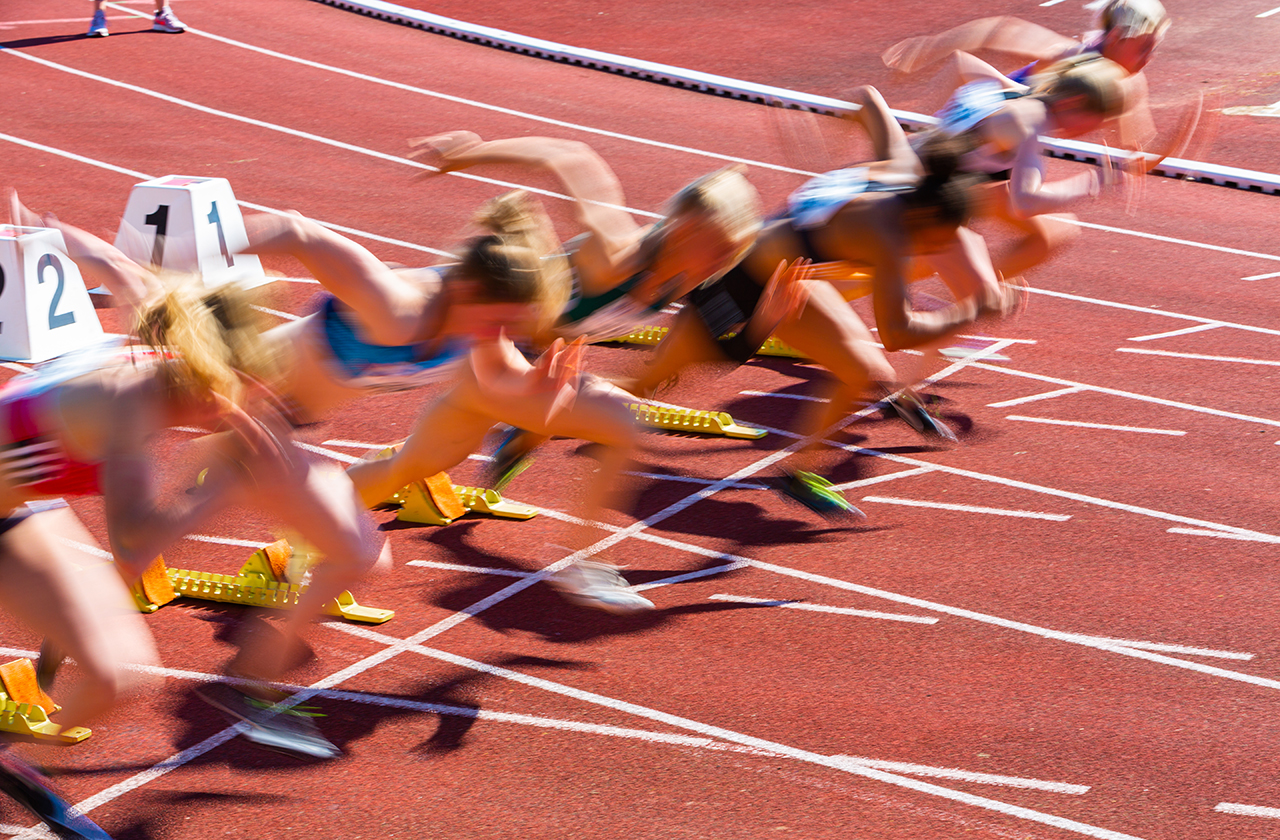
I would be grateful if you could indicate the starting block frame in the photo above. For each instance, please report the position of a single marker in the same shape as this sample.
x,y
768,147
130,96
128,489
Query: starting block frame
x,y
25,708
652,336
438,501
259,583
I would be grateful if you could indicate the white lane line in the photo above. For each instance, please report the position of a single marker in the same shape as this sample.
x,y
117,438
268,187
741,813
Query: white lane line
x,y
40,147
1051,2
1021,514
1247,810
288,316
719,733
483,105
462,567
688,479
358,444
1262,276
1080,424
205,538
965,775
1149,311
1123,647
1171,354
783,396
1171,240
800,605
1270,13
694,575
1197,532
328,453
1164,648
14,366
1047,395
879,479
1184,331
1115,392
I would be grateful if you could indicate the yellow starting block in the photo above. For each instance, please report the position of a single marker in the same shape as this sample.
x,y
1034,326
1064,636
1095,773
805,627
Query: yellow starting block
x,y
438,501
651,336
692,421
25,708
261,582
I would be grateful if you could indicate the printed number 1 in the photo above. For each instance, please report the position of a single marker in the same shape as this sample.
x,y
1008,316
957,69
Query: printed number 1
x,y
160,221
216,220
56,319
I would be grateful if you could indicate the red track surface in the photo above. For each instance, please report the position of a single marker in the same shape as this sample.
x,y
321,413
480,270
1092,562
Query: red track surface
x,y
712,718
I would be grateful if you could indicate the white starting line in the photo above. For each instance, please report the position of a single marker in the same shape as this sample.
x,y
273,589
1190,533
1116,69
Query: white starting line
x,y
1247,810
1021,514
800,605
1236,359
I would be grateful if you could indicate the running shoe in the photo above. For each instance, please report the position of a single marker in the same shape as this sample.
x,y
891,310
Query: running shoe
x,y
819,495
32,791
290,730
599,586
98,27
165,21
908,408
512,457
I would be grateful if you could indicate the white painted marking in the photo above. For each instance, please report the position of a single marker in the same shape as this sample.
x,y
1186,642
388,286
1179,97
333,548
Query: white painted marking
x,y
328,453
1149,311
288,316
1269,14
965,775
748,740
91,550
1262,276
462,567
356,444
867,482
694,575
1021,514
1200,409
1247,810
1171,240
1166,648
800,605
1198,532
1145,352
783,396
1051,2
1047,395
15,366
205,538
686,479
1123,647
1184,331
1080,424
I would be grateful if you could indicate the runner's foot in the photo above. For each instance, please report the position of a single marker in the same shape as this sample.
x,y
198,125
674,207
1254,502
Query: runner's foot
x,y
818,495
599,586
291,730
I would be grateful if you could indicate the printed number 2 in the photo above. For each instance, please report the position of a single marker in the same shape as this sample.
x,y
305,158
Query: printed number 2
x,y
160,221
216,221
56,319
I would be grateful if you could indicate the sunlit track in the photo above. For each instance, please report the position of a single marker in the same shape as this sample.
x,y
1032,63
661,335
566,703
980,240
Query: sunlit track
x,y
1036,603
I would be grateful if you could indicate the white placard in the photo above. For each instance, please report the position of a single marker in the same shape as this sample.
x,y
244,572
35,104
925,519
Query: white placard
x,y
44,308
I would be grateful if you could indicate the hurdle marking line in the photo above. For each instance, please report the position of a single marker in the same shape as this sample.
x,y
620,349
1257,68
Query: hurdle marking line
x,y
1247,810
1171,333
1019,514
1047,395
1080,424
807,607
1170,354
708,730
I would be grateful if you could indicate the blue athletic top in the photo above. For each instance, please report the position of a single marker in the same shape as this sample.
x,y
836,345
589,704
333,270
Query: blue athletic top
x,y
379,367
820,197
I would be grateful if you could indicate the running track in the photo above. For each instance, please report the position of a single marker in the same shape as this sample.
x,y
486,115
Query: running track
x,y
1100,665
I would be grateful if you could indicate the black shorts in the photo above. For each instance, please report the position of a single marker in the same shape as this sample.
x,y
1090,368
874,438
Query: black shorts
x,y
725,304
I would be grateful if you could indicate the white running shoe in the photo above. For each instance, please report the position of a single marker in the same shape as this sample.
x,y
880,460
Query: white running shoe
x,y
599,586
165,21
98,28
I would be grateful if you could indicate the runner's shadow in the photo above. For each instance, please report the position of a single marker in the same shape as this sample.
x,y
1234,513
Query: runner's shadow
x,y
163,812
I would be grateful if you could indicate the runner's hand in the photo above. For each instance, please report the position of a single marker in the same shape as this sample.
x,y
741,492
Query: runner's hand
x,y
441,150
784,296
